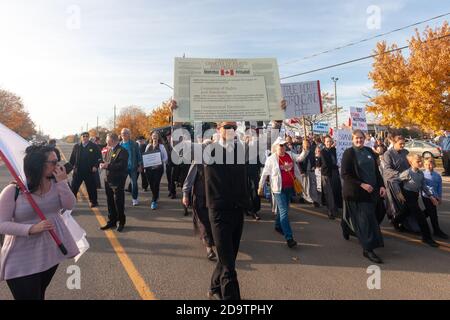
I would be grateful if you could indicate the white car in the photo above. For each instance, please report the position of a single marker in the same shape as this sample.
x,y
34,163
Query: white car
x,y
424,148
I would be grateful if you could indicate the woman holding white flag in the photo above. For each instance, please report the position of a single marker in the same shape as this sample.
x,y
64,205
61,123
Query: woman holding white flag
x,y
29,256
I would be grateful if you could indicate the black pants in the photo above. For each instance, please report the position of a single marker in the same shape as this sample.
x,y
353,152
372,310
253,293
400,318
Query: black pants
x,y
89,181
116,203
97,180
446,162
202,224
253,183
431,211
154,180
412,208
31,287
226,227
170,182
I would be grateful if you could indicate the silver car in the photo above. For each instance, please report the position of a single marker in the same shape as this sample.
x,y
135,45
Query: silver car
x,y
424,148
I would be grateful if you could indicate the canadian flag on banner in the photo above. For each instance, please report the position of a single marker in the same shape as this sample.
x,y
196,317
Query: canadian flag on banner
x,y
224,72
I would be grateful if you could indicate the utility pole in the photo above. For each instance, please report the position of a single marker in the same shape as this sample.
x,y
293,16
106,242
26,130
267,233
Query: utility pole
x,y
97,128
114,129
335,99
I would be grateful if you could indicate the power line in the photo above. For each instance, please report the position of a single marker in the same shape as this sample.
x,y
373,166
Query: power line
x,y
364,40
359,59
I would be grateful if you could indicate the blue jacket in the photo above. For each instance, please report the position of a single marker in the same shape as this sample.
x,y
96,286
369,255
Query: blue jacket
x,y
134,155
446,144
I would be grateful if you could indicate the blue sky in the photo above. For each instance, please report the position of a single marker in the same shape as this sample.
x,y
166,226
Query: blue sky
x,y
122,50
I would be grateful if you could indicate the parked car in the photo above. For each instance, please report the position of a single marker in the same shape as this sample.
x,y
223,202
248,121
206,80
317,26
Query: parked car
x,y
424,148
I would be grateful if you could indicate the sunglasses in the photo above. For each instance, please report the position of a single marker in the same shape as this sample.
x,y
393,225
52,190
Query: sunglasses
x,y
53,162
85,136
229,126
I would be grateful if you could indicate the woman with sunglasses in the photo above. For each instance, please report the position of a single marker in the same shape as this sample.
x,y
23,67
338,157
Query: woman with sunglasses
x,y
29,256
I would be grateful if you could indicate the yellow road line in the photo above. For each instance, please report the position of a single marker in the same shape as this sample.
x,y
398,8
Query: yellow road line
x,y
135,277
443,245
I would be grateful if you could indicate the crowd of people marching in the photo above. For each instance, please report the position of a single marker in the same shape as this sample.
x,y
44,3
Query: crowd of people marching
x,y
373,179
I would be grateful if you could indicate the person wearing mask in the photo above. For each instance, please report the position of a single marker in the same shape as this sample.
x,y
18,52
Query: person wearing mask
x,y
433,182
134,162
29,256
154,174
85,159
363,188
413,184
194,188
282,169
331,182
116,166
446,153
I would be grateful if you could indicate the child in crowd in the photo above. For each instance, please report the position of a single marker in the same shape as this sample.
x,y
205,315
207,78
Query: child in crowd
x,y
433,182
413,184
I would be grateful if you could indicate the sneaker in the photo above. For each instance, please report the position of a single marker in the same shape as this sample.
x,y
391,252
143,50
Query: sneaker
x,y
211,255
135,202
154,205
214,295
256,216
291,243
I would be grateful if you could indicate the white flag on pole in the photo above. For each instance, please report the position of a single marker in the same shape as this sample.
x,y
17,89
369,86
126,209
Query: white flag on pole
x,y
13,147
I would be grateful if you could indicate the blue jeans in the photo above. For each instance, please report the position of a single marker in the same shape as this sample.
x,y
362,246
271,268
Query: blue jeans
x,y
134,185
282,221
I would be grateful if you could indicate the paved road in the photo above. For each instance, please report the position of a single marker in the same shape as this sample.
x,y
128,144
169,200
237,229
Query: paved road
x,y
158,257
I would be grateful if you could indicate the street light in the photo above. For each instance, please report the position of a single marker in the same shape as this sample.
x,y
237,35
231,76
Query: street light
x,y
165,84
171,113
335,98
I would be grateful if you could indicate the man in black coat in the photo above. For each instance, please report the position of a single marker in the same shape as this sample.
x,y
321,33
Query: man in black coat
x,y
85,159
116,166
227,198
331,182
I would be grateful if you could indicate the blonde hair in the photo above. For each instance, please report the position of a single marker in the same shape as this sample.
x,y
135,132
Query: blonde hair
x,y
411,157
358,131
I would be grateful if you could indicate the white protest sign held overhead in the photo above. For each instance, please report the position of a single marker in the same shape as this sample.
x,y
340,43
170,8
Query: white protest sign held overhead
x,y
302,98
358,118
343,139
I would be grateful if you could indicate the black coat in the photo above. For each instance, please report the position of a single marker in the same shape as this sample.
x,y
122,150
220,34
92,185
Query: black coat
x,y
226,184
92,160
326,162
117,171
352,190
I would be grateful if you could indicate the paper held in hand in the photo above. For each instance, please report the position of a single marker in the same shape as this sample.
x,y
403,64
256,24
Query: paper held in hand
x,y
152,159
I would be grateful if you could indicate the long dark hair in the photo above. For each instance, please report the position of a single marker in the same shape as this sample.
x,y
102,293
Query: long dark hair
x,y
34,164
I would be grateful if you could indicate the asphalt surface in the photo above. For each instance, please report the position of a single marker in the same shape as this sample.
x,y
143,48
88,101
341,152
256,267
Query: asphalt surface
x,y
159,257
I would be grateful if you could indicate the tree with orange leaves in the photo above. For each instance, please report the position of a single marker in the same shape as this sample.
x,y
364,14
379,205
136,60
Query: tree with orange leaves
x,y
14,116
161,116
414,90
135,119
